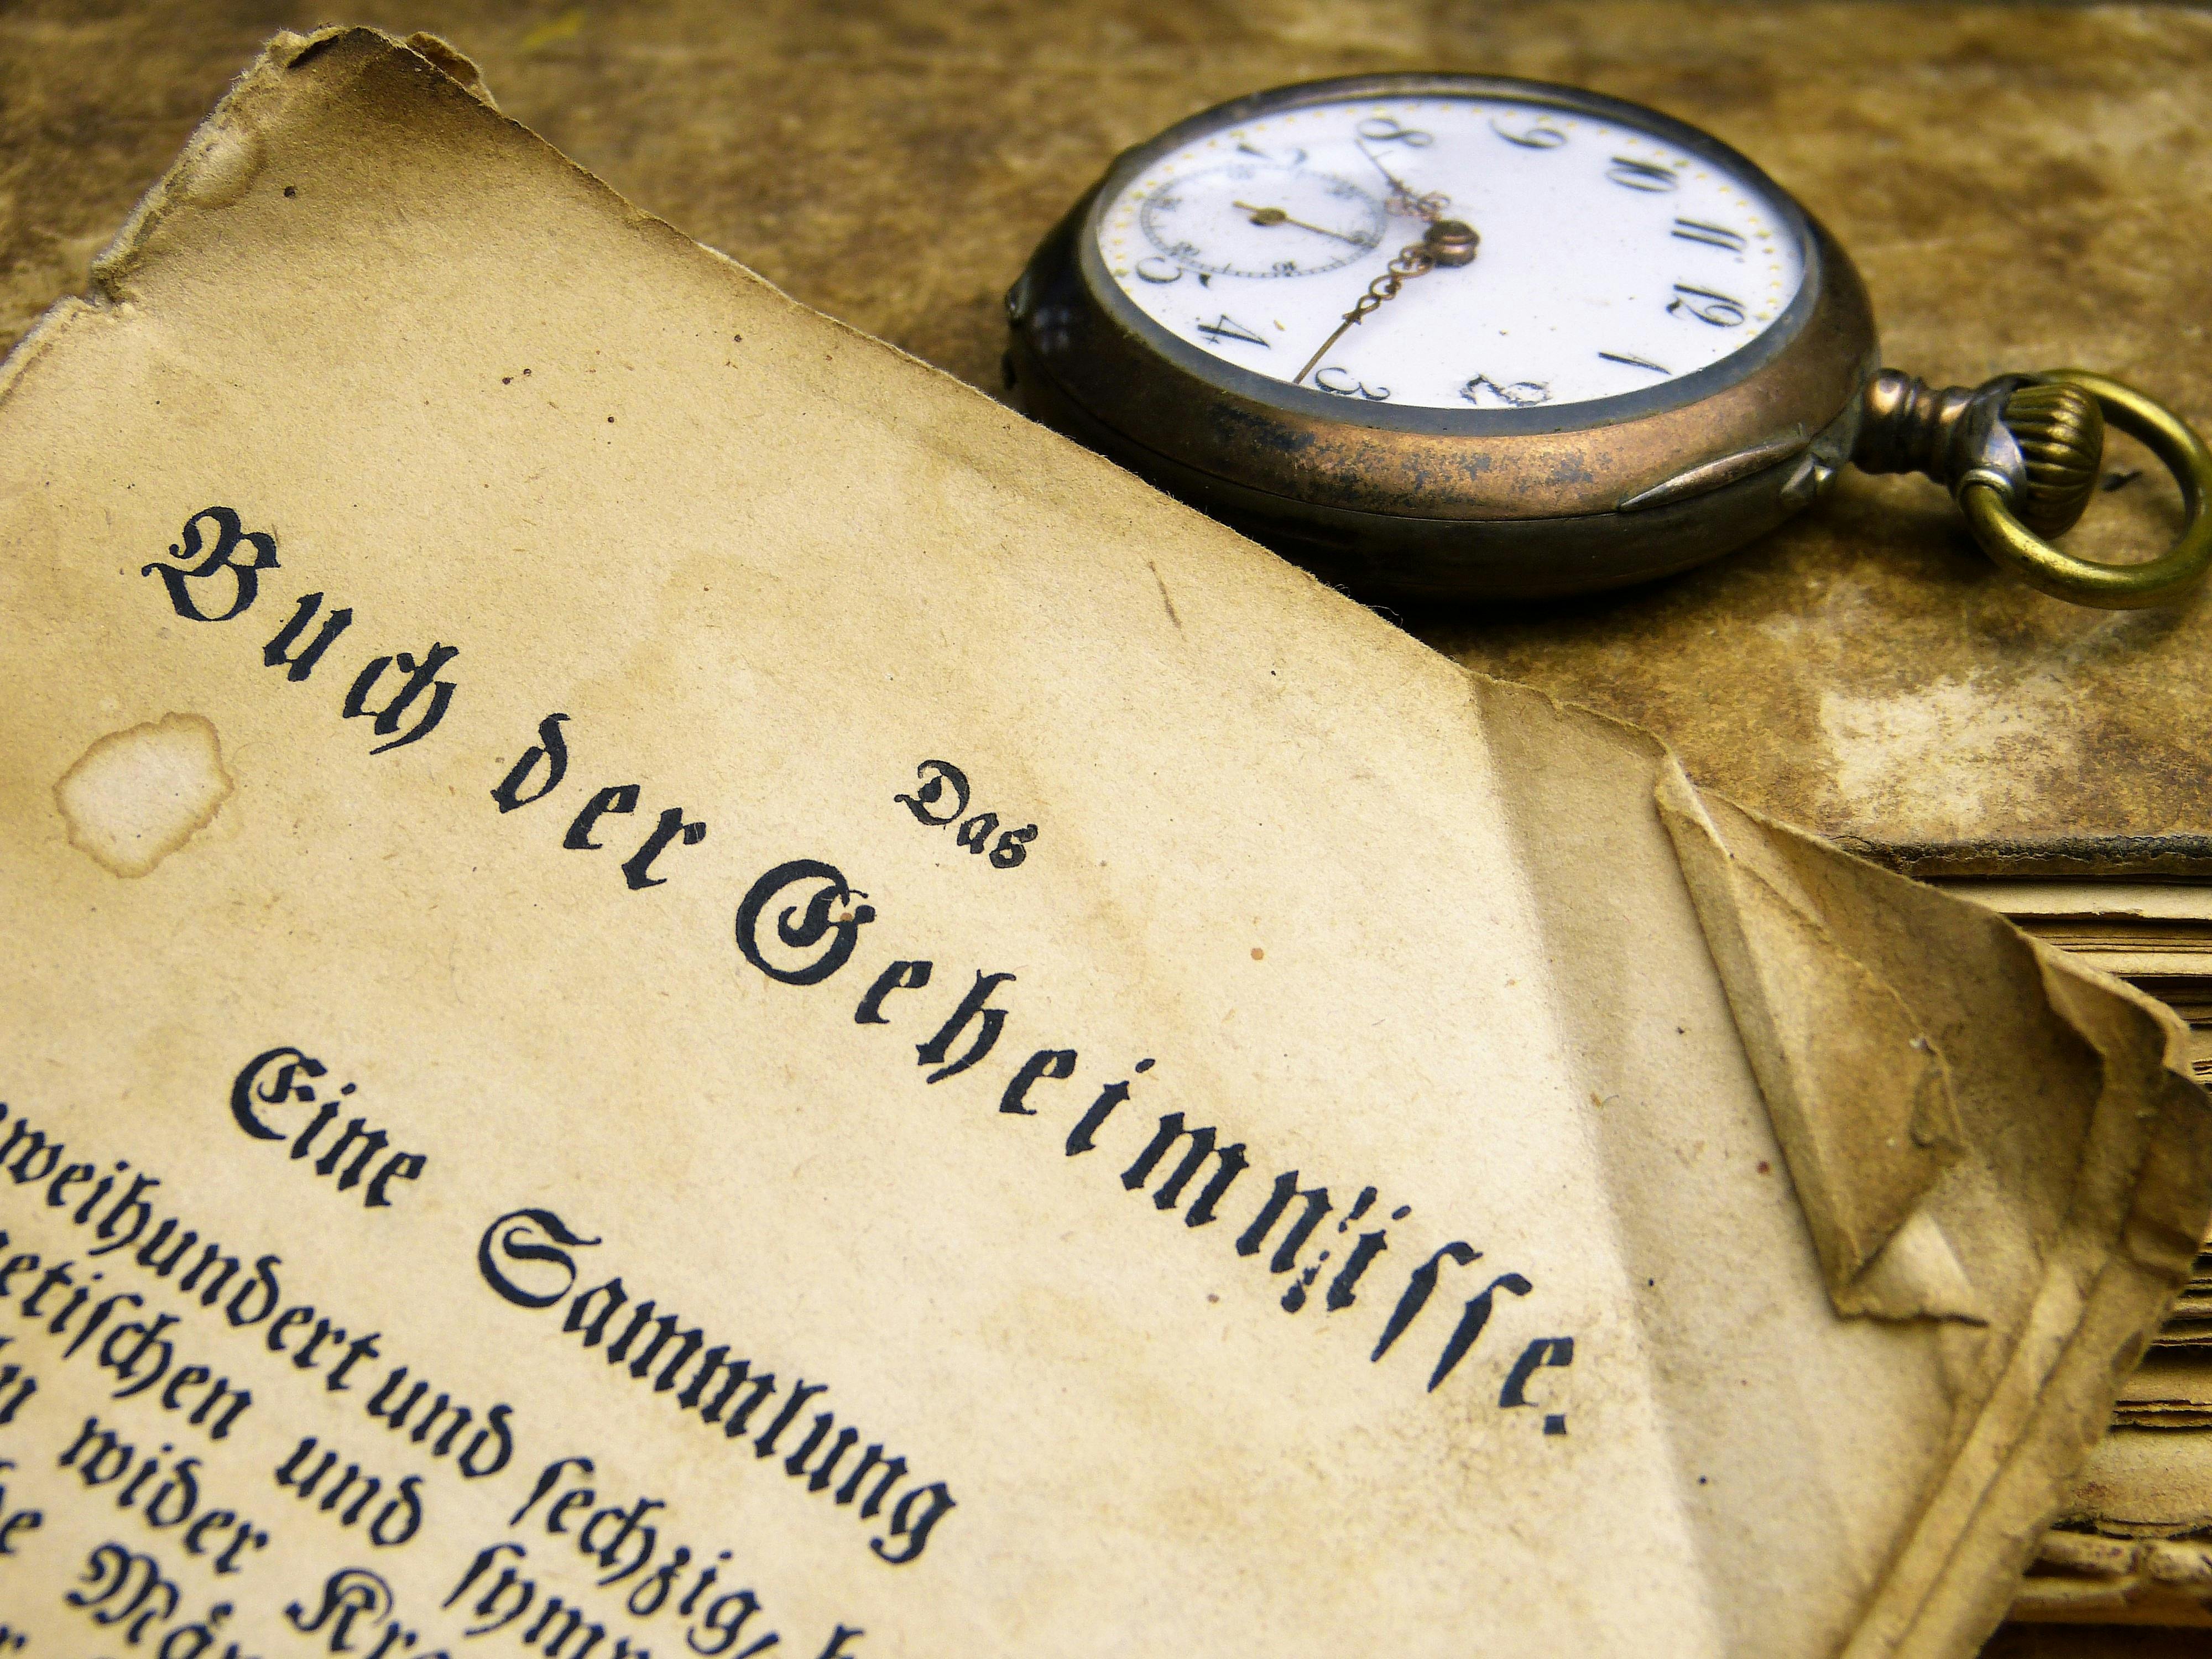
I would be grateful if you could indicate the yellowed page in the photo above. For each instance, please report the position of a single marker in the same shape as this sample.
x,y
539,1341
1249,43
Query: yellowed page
x,y
785,1015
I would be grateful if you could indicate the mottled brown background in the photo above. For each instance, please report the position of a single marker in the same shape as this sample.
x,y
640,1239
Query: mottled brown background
x,y
2022,186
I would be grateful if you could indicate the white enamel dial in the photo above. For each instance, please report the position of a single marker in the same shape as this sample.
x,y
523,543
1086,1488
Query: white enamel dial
x,y
1611,261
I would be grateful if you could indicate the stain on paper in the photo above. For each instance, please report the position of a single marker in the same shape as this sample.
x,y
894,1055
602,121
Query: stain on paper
x,y
225,168
137,795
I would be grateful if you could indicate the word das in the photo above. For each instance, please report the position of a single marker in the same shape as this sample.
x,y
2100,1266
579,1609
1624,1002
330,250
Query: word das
x,y
137,1353
399,1519
100,1459
354,1596
817,919
519,1256
17,1386
13,1521
943,785
522,786
127,1588
316,1342
268,1081
218,580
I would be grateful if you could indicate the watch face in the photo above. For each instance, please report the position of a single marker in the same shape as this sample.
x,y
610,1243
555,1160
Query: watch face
x,y
1619,253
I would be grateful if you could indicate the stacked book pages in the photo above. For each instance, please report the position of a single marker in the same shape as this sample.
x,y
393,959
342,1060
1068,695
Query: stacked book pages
x,y
2135,1544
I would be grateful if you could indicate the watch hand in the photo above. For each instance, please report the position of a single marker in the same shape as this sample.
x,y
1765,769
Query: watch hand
x,y
1403,195
1275,215
1448,242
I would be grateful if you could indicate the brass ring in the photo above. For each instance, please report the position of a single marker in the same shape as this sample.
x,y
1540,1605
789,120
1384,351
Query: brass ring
x,y
2088,581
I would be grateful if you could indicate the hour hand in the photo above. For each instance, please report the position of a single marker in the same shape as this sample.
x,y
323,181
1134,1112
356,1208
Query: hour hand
x,y
1275,215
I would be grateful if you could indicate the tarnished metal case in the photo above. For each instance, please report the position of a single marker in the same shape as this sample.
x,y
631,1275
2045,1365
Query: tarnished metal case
x,y
1440,504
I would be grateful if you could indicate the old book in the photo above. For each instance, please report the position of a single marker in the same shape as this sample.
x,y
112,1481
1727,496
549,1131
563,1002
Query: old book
x,y
2135,1543
677,989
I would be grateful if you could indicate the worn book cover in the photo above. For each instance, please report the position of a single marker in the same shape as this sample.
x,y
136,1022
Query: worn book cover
x,y
675,987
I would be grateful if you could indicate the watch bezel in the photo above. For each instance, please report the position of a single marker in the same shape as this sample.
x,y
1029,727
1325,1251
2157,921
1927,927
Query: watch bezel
x,y
1226,377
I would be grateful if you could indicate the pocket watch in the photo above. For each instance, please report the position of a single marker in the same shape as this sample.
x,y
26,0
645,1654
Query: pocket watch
x,y
1452,337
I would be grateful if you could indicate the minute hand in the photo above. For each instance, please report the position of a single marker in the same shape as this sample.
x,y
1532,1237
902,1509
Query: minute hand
x,y
1429,205
1449,242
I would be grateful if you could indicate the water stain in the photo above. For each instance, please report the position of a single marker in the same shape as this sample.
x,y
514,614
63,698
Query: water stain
x,y
225,168
137,795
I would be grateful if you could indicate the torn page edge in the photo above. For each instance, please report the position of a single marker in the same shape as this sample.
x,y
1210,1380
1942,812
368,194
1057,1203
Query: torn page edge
x,y
1859,1095
457,65
225,153
223,142
2111,1275
1953,1582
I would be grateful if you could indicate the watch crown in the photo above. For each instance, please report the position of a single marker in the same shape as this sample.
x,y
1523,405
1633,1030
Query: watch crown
x,y
2060,435
1451,242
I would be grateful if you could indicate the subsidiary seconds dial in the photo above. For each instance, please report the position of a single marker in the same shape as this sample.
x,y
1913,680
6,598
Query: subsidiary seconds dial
x,y
1611,261
1259,216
